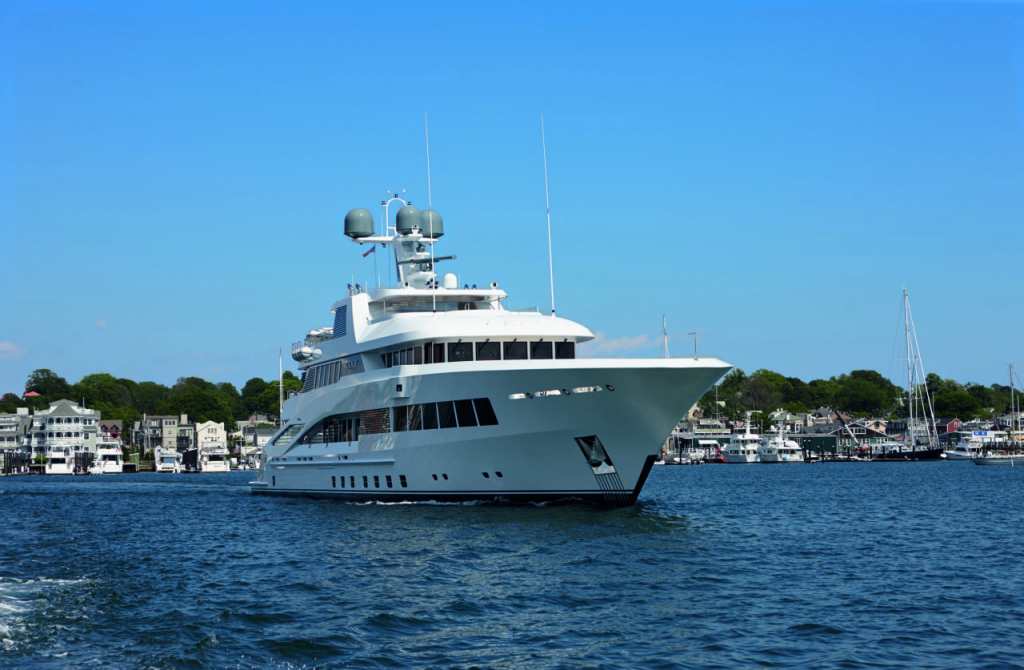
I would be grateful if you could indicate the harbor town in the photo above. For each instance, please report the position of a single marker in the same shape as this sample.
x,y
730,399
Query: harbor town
x,y
46,434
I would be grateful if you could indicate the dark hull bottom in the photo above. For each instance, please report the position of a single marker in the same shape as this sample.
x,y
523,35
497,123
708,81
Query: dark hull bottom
x,y
614,498
918,455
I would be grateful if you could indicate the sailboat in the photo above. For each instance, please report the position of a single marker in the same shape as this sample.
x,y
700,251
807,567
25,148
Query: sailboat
x,y
920,442
1013,457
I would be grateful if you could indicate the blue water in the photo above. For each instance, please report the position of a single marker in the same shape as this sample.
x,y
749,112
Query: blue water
x,y
844,565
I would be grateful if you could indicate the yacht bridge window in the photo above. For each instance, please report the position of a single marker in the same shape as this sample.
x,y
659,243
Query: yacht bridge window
x,y
466,351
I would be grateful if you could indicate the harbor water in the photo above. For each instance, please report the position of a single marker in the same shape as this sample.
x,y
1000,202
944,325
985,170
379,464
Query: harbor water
x,y
836,565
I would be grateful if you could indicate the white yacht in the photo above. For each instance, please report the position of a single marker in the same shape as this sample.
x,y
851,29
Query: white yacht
x,y
215,459
108,456
166,460
966,449
60,461
742,447
429,391
777,449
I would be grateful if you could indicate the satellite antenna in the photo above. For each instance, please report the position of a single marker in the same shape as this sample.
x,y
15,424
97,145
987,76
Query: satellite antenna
x,y
547,202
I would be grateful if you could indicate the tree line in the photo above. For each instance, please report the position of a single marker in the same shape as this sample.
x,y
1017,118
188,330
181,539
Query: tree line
x,y
127,400
862,393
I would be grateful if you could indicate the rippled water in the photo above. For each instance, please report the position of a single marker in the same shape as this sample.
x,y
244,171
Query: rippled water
x,y
840,565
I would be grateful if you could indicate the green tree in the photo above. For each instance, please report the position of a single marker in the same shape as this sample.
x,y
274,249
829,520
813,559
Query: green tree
x,y
759,393
10,403
956,404
251,394
48,384
147,397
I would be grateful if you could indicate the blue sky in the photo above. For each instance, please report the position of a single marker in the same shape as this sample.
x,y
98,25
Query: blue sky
x,y
174,175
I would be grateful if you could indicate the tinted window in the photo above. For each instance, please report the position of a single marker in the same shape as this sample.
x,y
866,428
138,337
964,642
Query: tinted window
x,y
417,355
460,351
565,350
540,350
515,351
446,414
429,416
428,353
464,410
400,418
439,353
488,351
485,412
415,417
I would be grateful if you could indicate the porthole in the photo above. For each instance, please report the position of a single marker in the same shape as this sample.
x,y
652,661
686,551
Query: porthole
x,y
498,472
530,396
609,387
403,482
565,391
486,476
435,477
376,481
445,477
387,480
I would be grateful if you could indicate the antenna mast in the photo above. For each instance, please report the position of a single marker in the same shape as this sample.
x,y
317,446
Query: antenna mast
x,y
547,202
280,387
430,206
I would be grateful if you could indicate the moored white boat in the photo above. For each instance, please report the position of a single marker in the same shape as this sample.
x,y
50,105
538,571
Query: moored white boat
x,y
432,392
742,447
989,458
108,458
777,449
166,460
59,461
966,450
215,459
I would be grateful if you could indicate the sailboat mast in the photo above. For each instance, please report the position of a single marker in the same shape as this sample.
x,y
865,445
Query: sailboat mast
x,y
910,369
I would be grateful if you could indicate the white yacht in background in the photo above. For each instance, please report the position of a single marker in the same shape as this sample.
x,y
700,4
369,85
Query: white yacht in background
x,y
429,391
60,461
742,447
215,459
777,449
108,456
166,460
966,449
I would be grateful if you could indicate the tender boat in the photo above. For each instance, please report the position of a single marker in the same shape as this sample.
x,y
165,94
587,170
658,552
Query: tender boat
x,y
429,391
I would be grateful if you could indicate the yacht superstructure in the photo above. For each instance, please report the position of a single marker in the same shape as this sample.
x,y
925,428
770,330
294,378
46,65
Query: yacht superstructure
x,y
429,391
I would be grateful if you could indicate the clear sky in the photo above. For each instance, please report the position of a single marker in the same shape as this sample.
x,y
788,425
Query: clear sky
x,y
770,175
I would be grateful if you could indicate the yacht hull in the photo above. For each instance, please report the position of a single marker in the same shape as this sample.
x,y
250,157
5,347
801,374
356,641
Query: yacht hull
x,y
542,449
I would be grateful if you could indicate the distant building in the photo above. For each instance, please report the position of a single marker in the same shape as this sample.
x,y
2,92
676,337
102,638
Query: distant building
x,y
65,425
14,428
211,435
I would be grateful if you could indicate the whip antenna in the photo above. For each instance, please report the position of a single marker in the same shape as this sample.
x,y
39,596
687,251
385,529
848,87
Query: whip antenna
x,y
547,202
430,215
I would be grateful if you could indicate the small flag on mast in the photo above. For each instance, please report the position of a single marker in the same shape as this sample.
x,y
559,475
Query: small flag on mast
x,y
372,250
